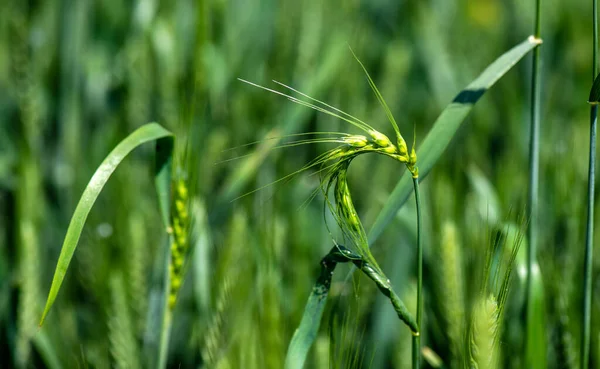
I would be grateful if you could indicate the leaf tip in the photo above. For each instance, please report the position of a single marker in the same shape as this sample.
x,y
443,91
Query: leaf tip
x,y
535,40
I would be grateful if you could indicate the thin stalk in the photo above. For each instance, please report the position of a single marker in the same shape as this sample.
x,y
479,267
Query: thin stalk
x,y
589,237
416,340
167,317
534,150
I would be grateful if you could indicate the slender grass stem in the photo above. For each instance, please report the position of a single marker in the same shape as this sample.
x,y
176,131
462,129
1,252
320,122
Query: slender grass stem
x,y
416,341
167,313
534,138
589,237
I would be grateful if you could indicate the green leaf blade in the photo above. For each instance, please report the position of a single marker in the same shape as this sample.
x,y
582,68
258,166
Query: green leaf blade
x,y
307,331
445,127
144,134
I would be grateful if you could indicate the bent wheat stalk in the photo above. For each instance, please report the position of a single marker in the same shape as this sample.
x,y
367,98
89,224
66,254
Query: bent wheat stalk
x,y
333,167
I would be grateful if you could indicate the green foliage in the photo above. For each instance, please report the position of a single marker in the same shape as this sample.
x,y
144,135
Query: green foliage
x,y
150,132
78,77
446,126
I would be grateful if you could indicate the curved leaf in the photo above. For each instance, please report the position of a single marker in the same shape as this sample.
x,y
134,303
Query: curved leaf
x,y
164,151
445,127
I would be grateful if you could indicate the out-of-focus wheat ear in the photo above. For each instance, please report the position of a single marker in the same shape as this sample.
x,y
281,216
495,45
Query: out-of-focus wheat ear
x,y
484,343
137,268
124,347
564,346
214,340
451,286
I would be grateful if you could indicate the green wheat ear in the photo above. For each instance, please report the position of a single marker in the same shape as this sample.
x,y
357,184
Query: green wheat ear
x,y
180,242
484,334
333,164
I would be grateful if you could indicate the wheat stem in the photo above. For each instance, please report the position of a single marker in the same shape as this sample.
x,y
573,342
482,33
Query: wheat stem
x,y
416,341
167,315
533,162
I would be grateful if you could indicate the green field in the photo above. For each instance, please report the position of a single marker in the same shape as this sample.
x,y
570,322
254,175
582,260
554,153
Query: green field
x,y
215,270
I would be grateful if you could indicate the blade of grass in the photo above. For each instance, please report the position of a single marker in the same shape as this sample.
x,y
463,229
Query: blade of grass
x,y
146,133
305,334
445,127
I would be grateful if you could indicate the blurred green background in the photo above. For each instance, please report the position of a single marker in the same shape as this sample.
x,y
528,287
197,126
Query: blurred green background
x,y
77,76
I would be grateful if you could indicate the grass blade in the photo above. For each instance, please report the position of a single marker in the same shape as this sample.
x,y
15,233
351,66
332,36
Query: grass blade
x,y
146,133
305,334
446,126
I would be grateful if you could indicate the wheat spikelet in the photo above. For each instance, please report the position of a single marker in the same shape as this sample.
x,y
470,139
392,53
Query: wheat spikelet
x,y
180,244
